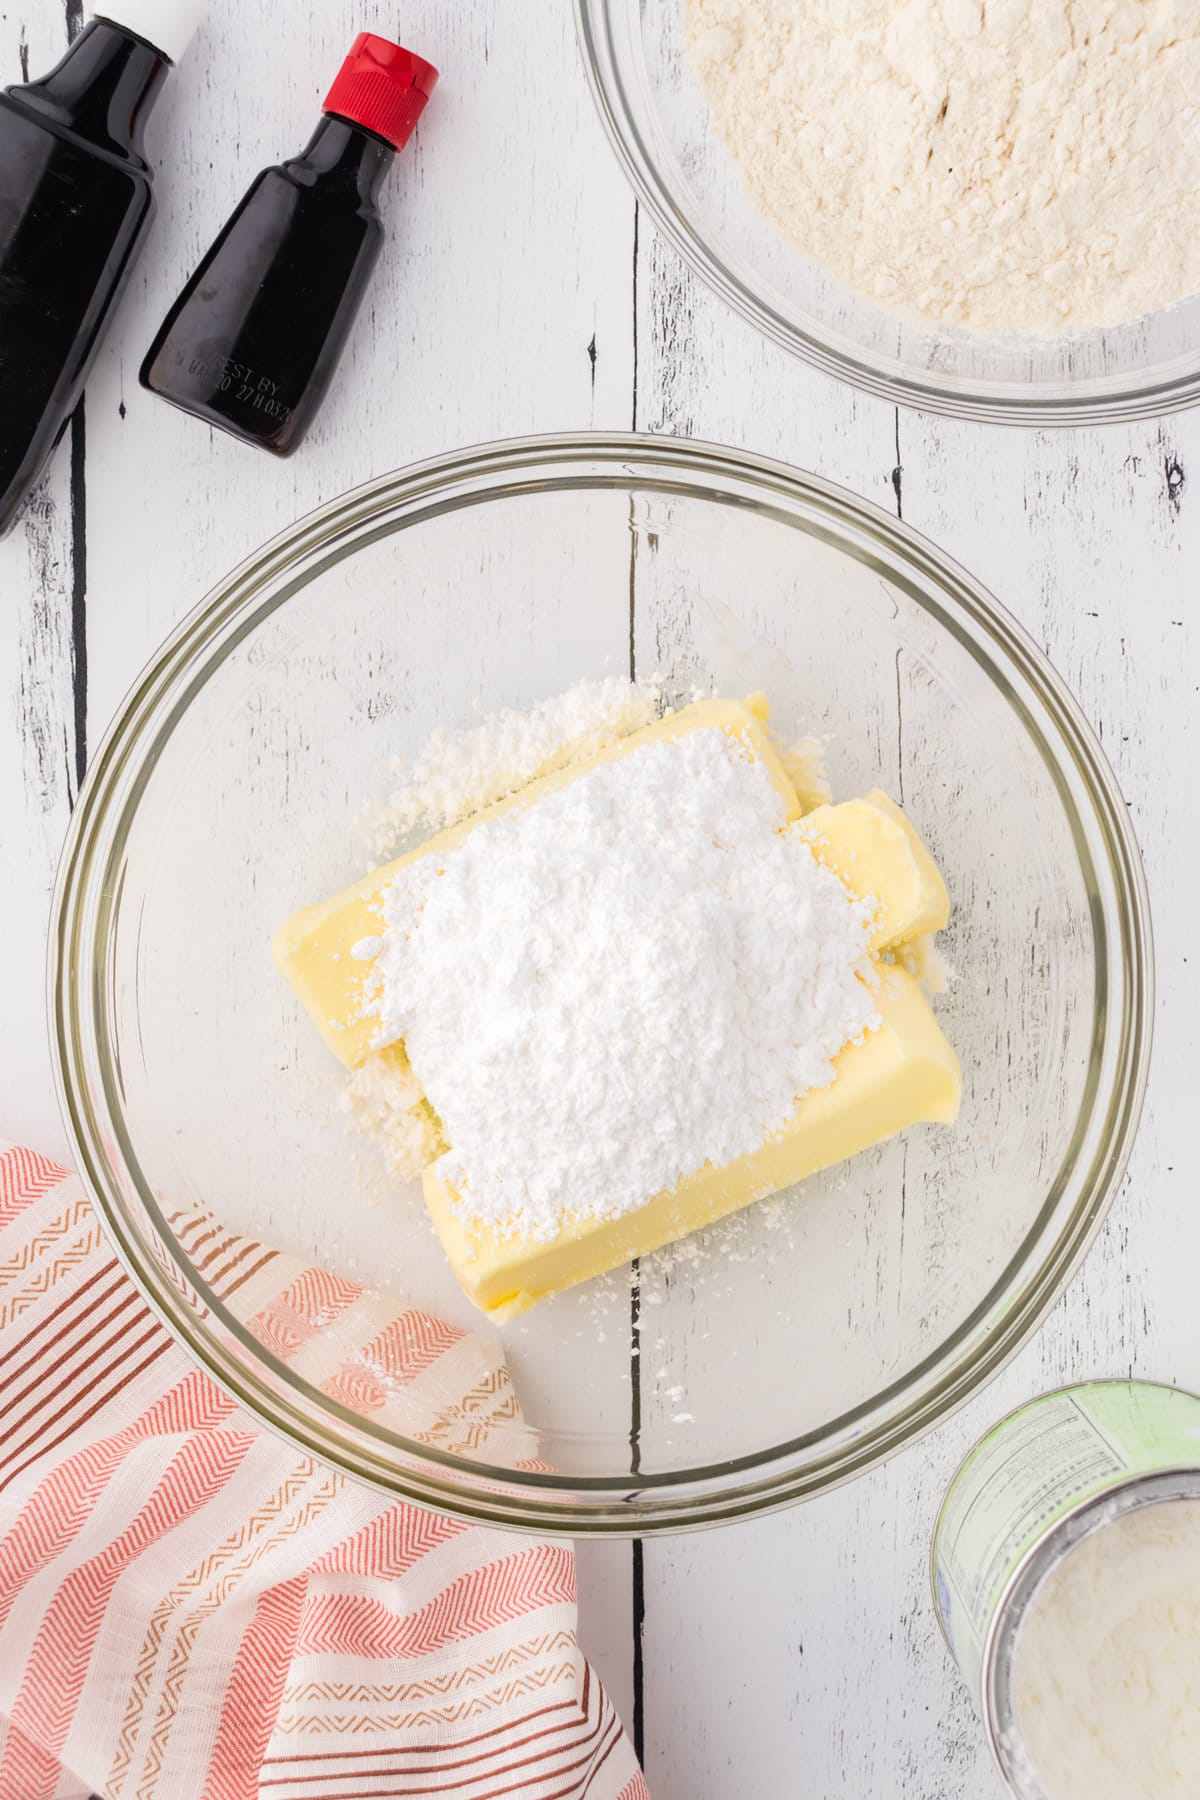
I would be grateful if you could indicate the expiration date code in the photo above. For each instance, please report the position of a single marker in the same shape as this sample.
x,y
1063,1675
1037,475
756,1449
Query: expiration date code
x,y
244,384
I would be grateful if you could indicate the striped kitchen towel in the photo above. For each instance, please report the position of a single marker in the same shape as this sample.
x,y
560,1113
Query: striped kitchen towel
x,y
191,1610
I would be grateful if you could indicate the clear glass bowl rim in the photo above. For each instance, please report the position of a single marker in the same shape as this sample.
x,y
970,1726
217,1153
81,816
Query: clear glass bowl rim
x,y
627,1505
1123,400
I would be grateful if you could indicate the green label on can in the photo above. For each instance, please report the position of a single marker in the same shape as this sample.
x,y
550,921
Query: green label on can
x,y
1032,1469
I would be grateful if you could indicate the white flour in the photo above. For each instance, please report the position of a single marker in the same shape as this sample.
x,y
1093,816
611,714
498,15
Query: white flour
x,y
460,772
1013,165
1106,1668
639,974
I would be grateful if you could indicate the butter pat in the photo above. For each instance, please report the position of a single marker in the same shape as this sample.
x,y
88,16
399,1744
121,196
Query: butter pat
x,y
873,847
902,1073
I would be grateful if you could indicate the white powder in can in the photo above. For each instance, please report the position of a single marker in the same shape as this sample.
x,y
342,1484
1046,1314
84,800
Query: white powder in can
x,y
1012,165
1106,1667
639,974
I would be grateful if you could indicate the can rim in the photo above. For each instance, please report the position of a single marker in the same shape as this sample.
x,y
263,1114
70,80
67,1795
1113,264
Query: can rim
x,y
1066,1387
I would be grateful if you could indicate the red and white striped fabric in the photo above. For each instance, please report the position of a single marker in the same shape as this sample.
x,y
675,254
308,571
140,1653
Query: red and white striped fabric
x,y
190,1610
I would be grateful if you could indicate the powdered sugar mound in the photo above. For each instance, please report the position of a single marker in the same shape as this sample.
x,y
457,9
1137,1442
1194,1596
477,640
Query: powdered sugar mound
x,y
636,976
459,772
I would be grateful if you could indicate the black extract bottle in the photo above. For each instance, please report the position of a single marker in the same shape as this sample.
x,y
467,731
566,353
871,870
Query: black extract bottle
x,y
75,204
252,342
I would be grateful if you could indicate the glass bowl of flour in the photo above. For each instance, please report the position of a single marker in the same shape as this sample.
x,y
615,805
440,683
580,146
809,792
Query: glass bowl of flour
x,y
986,212
772,1354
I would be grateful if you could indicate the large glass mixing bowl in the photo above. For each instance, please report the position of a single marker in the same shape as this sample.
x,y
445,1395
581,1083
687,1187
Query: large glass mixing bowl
x,y
786,1348
655,112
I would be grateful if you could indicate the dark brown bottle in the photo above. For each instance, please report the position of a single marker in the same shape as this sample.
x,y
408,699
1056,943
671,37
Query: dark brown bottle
x,y
75,204
252,342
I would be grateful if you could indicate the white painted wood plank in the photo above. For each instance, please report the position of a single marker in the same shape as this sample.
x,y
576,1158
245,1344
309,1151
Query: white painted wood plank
x,y
37,784
703,373
38,751
604,1572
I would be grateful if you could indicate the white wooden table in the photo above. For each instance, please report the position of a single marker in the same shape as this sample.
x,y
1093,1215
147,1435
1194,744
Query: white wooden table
x,y
523,292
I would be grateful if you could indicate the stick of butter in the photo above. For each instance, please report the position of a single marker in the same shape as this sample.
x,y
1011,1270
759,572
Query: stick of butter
x,y
873,847
901,1073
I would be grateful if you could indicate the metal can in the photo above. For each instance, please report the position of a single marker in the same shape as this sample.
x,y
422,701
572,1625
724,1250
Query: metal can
x,y
1054,1470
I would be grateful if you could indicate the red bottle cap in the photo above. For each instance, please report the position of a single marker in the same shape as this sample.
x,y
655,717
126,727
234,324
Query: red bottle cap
x,y
382,87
